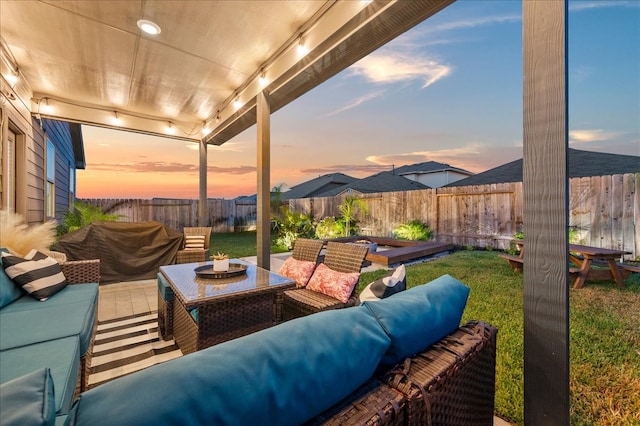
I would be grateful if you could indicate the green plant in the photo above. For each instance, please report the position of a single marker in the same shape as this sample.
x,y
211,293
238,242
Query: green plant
x,y
288,226
348,209
329,227
415,230
83,214
518,236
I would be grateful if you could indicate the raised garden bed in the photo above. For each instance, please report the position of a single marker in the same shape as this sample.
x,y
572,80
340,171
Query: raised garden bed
x,y
398,251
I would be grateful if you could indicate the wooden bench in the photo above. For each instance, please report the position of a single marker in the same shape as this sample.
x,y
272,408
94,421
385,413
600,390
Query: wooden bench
x,y
406,253
625,270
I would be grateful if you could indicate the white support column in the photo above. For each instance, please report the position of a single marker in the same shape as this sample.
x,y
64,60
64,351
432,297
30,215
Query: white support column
x,y
263,202
203,208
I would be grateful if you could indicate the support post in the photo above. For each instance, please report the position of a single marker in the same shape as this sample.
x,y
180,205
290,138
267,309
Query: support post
x,y
203,207
545,189
263,201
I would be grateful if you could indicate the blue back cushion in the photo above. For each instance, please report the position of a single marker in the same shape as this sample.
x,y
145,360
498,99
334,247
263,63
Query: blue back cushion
x,y
28,400
417,318
283,375
9,292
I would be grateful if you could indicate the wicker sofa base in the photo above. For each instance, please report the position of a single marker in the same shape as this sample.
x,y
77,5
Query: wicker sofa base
x,y
452,383
301,302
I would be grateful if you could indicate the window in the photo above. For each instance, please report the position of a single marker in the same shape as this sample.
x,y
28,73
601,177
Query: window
x,y
72,186
50,201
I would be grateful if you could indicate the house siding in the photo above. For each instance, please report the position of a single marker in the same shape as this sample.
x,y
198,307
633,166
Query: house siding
x,y
30,157
59,134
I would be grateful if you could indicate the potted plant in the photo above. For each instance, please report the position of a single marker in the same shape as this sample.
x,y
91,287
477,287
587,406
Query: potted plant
x,y
220,262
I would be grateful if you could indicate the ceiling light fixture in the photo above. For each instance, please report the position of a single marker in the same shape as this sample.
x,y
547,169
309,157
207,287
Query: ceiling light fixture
x,y
302,48
236,102
46,108
263,78
149,27
170,128
217,116
116,120
205,129
12,78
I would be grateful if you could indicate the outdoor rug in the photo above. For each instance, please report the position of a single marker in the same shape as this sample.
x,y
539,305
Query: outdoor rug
x,y
126,345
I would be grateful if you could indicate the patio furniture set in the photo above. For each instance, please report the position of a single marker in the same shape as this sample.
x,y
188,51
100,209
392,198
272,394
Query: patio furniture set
x,y
401,360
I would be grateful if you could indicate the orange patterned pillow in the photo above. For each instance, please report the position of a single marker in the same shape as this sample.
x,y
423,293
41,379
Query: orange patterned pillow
x,y
298,270
336,284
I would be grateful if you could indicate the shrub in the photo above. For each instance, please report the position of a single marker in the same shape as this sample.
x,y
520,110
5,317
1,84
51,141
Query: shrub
x,y
348,209
288,226
329,227
414,230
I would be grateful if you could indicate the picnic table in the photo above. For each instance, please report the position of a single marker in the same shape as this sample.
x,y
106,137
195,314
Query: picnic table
x,y
585,257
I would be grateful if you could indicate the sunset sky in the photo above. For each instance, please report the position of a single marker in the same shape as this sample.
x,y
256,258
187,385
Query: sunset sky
x,y
449,90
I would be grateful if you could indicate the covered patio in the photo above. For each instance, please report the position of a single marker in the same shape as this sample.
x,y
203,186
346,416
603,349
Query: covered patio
x,y
218,68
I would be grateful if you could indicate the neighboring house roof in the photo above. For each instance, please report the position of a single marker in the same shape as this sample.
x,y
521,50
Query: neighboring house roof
x,y
78,145
581,164
429,167
380,182
317,186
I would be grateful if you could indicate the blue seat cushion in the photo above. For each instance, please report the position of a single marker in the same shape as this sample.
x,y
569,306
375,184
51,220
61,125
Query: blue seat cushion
x,y
61,356
283,375
9,292
28,400
417,318
164,288
21,327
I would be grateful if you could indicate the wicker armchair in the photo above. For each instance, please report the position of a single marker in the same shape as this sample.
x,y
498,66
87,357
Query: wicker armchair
x,y
340,257
195,255
306,249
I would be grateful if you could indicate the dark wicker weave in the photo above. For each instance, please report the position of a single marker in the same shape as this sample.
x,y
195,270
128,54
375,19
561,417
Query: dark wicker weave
x,y
190,256
306,249
81,271
165,317
226,319
340,257
453,382
373,403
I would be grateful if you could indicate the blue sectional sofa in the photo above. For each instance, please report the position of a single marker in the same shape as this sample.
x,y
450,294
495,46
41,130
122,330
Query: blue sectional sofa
x,y
56,335
364,359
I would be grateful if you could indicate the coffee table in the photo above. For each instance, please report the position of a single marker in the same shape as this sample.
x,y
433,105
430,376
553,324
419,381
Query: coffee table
x,y
208,311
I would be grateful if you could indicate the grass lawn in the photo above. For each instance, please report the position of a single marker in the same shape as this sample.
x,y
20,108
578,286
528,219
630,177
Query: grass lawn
x,y
604,324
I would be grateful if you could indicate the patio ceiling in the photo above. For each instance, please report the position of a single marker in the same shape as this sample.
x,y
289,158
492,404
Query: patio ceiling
x,y
88,62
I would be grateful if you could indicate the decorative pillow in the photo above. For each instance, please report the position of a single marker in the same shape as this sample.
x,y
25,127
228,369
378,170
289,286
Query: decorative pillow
x,y
9,292
194,242
298,270
336,284
38,274
28,400
390,284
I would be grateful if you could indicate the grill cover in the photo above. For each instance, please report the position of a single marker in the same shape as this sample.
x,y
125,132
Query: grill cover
x,y
127,251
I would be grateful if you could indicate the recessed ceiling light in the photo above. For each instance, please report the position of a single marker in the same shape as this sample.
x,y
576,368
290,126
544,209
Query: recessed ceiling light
x,y
149,27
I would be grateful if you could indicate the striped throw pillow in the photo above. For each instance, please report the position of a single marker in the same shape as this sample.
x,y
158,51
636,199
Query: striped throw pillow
x,y
38,274
194,242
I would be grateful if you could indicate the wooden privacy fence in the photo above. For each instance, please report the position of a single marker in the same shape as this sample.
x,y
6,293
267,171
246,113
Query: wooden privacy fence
x,y
604,211
224,215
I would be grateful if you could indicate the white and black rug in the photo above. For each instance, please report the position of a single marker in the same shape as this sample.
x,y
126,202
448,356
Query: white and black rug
x,y
126,345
